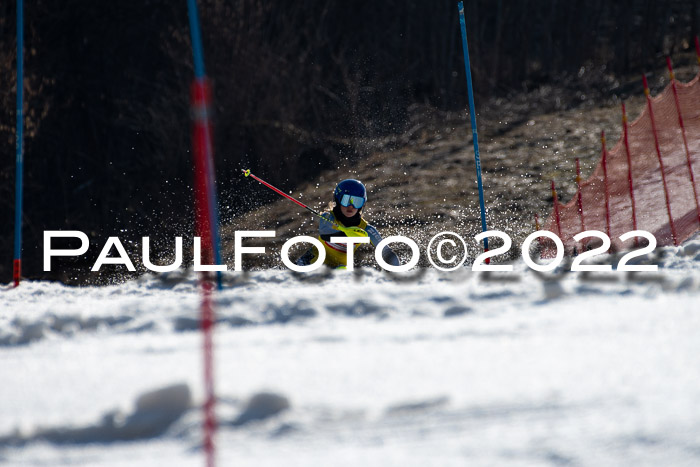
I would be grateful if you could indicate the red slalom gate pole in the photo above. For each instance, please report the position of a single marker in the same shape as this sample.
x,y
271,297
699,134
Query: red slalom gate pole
x,y
201,136
207,324
685,140
605,183
580,196
661,162
629,172
201,133
206,219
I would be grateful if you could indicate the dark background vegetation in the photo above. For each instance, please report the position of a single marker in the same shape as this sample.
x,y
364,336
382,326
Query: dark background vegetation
x,y
299,87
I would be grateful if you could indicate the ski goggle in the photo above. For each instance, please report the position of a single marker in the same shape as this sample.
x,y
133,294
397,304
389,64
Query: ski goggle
x,y
356,201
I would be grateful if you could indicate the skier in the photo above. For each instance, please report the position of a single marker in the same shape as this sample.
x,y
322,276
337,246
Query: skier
x,y
350,197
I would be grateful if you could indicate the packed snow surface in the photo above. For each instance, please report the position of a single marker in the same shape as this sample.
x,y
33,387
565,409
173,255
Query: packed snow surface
x,y
360,369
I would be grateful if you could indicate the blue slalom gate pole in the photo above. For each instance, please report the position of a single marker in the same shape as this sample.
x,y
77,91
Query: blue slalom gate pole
x,y
19,169
204,154
472,114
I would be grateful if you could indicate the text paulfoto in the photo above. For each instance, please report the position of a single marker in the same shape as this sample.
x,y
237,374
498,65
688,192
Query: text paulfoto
x,y
442,243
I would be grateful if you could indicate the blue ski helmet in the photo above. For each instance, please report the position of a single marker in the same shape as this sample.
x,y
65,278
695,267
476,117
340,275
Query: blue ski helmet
x,y
349,192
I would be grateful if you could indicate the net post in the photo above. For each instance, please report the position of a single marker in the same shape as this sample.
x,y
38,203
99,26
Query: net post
x,y
697,49
661,163
605,183
629,172
579,195
537,229
670,70
685,139
556,208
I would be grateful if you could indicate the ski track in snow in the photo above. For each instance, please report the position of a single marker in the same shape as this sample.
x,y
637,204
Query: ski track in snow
x,y
361,368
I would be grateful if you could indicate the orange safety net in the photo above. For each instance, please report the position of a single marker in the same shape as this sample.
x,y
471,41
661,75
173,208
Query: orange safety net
x,y
650,197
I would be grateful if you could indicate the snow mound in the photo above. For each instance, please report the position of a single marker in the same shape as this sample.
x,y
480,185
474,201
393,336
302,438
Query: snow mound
x,y
261,406
154,413
414,407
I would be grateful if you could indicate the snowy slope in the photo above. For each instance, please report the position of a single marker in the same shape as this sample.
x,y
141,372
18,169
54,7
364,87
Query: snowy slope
x,y
360,369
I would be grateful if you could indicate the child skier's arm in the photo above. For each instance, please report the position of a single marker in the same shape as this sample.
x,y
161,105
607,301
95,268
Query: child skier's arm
x,y
388,254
